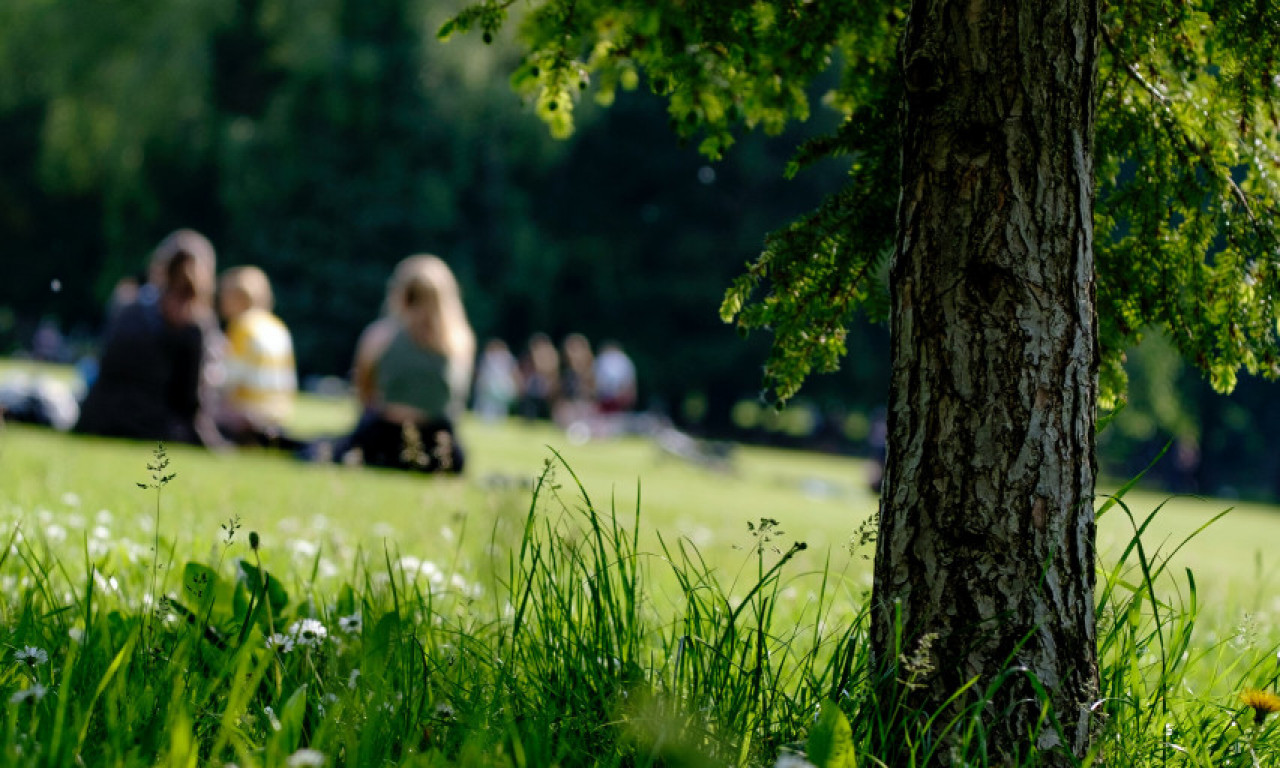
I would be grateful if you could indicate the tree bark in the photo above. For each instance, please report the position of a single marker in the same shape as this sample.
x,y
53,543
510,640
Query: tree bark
x,y
985,558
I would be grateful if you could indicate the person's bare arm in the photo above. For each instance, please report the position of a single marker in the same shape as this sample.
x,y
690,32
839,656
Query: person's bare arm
x,y
369,349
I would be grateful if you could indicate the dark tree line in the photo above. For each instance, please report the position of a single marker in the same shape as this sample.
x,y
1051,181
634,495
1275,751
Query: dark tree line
x,y
326,143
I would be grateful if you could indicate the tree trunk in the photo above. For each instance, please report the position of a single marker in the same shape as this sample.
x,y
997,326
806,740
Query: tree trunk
x,y
985,559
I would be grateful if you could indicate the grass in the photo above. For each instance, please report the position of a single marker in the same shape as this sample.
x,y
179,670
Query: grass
x,y
610,609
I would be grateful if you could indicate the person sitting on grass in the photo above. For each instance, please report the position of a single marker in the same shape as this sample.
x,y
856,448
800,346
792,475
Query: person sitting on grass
x,y
154,376
260,380
412,373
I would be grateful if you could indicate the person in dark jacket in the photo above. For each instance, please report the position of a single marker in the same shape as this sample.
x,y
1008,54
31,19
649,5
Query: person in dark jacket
x,y
154,370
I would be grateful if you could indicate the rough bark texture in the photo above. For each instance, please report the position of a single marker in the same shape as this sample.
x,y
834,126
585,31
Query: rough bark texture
x,y
986,551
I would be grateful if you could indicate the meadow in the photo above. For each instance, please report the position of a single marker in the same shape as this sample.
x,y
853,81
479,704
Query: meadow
x,y
561,604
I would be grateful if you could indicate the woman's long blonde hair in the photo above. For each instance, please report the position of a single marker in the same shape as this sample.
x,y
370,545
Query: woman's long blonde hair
x,y
427,278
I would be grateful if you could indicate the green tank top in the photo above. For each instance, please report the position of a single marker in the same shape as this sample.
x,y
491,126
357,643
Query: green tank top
x,y
410,375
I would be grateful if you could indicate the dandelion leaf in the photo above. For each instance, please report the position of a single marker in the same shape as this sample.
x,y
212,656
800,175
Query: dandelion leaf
x,y
276,595
830,742
200,583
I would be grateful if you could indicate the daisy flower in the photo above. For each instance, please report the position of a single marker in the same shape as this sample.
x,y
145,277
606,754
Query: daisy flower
x,y
31,656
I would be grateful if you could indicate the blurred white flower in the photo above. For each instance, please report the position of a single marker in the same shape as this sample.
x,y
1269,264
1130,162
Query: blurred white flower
x,y
271,718
351,624
306,757
104,517
35,693
105,583
55,533
31,656
76,634
353,679
70,499
280,642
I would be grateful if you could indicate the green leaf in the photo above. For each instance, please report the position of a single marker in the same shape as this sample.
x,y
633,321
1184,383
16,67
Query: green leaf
x,y
831,740
200,582
275,593
292,716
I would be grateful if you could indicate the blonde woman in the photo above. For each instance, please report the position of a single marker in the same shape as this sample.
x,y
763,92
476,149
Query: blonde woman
x,y
412,372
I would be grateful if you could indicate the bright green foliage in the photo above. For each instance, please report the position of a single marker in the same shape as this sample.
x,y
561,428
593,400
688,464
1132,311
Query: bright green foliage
x,y
1186,157
1187,162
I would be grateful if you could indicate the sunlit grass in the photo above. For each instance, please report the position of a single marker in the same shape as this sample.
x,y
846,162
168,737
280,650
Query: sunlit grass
x,y
495,627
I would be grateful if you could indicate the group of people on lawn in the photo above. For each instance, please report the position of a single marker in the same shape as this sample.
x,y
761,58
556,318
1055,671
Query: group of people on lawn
x,y
167,371
195,357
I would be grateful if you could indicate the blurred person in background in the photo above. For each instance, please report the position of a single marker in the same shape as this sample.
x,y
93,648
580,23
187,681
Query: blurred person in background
x,y
497,381
576,402
160,354
539,377
615,379
260,380
412,374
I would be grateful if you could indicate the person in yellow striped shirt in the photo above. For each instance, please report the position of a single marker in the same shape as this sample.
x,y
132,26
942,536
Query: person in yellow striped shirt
x,y
260,378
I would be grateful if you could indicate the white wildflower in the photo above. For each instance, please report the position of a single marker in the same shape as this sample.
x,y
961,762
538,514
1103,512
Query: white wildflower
x,y
312,758
308,632
351,624
70,499
353,679
76,634
271,718
35,693
55,533
280,642
31,656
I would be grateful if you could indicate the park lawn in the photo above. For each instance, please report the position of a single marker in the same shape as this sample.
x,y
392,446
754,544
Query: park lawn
x,y
819,499
336,536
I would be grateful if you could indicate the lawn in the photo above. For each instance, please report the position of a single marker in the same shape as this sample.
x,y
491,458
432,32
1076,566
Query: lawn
x,y
506,614
818,499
